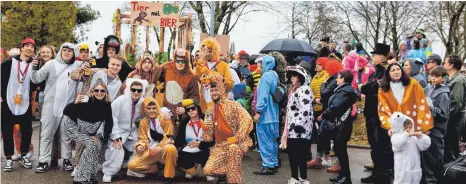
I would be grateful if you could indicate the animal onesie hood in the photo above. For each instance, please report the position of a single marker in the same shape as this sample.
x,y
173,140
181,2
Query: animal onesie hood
x,y
231,125
205,68
406,150
299,111
126,115
179,85
56,74
113,41
153,137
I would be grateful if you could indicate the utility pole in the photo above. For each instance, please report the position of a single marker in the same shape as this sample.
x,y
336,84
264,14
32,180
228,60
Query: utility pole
x,y
212,18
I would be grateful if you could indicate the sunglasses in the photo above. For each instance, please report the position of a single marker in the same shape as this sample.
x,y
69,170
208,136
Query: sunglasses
x,y
100,91
180,61
189,109
136,90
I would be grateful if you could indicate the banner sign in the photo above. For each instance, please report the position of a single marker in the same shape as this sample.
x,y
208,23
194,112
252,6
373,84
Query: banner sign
x,y
154,14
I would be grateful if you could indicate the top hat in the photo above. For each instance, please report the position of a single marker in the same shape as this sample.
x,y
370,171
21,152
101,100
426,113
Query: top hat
x,y
381,49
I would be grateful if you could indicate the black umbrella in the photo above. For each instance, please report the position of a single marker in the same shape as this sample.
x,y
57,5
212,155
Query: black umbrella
x,y
289,46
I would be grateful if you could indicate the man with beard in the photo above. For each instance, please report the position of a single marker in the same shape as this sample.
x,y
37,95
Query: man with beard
x,y
228,124
16,88
208,63
112,48
381,151
56,74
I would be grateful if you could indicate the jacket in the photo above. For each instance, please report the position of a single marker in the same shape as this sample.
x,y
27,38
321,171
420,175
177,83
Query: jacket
x,y
457,85
406,150
440,109
414,105
267,85
316,83
339,103
104,60
299,112
327,89
370,90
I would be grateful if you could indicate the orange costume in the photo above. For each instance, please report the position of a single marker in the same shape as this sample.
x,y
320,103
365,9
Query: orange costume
x,y
230,128
203,67
157,151
414,105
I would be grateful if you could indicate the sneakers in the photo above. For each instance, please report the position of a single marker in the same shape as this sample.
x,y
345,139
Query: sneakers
x,y
315,164
264,171
42,167
135,174
169,181
334,169
303,181
188,176
293,181
326,161
107,178
67,166
210,178
8,166
26,163
369,166
15,157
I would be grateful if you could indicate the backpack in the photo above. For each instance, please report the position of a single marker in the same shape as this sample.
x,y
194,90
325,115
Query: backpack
x,y
279,96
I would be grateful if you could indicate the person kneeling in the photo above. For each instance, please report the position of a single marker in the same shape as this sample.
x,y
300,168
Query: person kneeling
x,y
155,144
194,150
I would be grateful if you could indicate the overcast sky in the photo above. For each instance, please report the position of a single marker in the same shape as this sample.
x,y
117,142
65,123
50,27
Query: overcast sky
x,y
251,33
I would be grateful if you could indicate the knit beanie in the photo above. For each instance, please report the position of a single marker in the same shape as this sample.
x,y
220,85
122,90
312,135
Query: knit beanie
x,y
333,67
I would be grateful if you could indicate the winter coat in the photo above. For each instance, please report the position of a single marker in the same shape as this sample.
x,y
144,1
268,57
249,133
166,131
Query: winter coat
x,y
104,60
267,85
406,150
340,103
327,89
370,90
299,112
414,105
440,109
316,83
457,85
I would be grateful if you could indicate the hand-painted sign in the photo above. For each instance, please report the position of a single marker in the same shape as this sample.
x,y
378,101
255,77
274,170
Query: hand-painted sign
x,y
154,14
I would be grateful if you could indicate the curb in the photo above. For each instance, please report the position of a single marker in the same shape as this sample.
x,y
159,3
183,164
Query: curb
x,y
359,146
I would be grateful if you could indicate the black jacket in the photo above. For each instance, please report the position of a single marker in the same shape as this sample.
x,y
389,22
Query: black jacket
x,y
326,90
342,100
371,90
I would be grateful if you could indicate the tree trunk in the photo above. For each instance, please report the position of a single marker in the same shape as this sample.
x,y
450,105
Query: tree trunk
x,y
453,27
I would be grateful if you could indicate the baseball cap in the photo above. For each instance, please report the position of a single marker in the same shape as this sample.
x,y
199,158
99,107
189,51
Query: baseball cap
x,y
435,57
28,40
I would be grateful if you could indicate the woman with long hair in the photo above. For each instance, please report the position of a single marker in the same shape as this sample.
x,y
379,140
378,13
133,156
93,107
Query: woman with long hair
x,y
89,122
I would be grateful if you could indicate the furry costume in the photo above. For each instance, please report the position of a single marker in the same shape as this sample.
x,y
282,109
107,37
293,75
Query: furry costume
x,y
203,67
406,150
231,125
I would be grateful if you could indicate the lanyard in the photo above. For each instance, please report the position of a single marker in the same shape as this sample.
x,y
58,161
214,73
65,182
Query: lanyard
x,y
154,123
133,112
196,132
22,73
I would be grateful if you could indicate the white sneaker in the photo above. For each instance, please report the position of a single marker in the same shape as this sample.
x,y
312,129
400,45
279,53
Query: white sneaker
x,y
8,166
188,176
29,154
16,157
74,171
107,178
301,181
210,178
135,174
26,163
293,181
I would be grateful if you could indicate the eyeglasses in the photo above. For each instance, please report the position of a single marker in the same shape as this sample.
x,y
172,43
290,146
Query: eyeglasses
x,y
100,90
189,109
134,90
180,62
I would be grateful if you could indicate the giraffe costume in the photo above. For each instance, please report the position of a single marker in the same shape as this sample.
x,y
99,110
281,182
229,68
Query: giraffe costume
x,y
230,128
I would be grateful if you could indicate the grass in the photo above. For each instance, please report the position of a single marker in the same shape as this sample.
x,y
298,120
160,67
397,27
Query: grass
x,y
359,135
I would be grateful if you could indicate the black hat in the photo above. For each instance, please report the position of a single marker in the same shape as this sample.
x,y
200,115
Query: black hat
x,y
325,39
381,49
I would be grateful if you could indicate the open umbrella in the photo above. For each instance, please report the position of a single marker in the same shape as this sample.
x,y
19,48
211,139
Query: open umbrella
x,y
289,46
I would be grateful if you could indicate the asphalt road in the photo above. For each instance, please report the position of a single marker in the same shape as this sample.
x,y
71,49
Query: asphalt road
x,y
20,175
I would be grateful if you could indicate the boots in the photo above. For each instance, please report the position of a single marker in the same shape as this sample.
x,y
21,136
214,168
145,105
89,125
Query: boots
x,y
334,169
315,164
